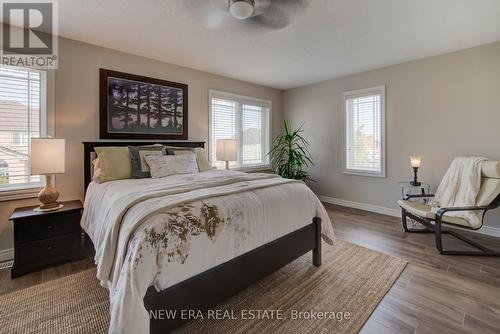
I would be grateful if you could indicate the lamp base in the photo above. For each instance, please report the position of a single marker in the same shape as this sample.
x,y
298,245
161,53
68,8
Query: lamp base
x,y
48,196
40,209
415,182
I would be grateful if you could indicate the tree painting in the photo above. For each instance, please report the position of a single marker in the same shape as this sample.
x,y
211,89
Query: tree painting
x,y
140,107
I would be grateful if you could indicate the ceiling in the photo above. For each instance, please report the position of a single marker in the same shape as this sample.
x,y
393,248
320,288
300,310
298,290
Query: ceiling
x,y
330,38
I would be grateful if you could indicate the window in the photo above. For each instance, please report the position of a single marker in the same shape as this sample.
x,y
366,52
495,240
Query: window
x,y
364,132
242,118
22,116
20,138
4,172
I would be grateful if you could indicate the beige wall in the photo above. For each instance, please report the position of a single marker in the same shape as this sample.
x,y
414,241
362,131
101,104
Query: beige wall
x,y
77,107
440,107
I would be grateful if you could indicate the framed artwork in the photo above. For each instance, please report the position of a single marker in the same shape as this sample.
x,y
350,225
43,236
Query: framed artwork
x,y
138,107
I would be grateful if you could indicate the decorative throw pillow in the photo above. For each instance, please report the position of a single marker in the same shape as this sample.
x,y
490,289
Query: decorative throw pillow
x,y
114,162
165,165
96,171
201,157
140,168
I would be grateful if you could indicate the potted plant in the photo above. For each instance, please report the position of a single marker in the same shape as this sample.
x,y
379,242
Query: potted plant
x,y
290,154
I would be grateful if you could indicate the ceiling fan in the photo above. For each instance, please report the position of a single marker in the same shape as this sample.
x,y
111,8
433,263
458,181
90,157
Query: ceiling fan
x,y
272,14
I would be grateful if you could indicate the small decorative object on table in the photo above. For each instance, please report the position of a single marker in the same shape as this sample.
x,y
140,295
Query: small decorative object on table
x,y
407,188
47,158
226,150
415,161
46,238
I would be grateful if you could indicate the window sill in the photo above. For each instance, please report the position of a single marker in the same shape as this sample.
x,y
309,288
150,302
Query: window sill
x,y
364,173
258,168
15,194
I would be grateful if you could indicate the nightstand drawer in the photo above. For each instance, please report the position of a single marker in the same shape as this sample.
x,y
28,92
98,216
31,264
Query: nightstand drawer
x,y
45,250
47,227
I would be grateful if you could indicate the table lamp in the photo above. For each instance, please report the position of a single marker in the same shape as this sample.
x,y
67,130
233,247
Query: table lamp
x,y
226,150
47,158
415,161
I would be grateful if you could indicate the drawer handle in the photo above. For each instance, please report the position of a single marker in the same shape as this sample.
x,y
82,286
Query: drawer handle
x,y
49,247
49,227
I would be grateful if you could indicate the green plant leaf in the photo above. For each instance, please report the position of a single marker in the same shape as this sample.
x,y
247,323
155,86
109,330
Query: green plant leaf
x,y
289,153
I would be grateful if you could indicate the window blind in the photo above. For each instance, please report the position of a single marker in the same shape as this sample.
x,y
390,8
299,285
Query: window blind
x,y
223,126
22,117
246,121
364,133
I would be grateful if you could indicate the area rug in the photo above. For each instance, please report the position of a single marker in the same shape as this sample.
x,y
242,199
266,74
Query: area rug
x,y
338,297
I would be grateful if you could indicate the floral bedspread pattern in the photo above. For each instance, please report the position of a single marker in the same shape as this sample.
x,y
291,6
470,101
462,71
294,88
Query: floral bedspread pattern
x,y
173,238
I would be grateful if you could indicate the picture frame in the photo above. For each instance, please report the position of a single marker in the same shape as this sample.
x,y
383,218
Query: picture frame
x,y
139,107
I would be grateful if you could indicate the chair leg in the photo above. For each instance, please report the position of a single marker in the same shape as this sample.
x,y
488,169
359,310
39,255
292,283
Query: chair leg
x,y
403,220
438,231
404,223
483,251
438,235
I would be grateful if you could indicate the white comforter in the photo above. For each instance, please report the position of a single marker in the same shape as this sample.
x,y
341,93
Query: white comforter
x,y
162,231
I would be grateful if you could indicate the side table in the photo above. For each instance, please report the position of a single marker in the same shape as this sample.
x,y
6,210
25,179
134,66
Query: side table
x,y
408,189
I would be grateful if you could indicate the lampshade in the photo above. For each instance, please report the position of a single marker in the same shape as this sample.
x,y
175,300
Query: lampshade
x,y
415,161
241,9
47,156
226,150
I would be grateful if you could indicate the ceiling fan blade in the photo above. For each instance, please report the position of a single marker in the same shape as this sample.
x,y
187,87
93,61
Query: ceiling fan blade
x,y
212,13
261,6
295,3
273,18
275,14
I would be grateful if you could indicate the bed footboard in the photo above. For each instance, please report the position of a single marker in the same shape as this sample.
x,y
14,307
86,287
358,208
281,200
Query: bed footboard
x,y
219,283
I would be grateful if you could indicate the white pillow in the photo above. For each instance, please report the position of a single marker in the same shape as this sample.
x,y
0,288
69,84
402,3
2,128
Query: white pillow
x,y
201,157
165,165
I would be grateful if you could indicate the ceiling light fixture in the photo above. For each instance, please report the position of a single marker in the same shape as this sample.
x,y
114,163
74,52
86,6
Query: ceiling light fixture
x,y
241,9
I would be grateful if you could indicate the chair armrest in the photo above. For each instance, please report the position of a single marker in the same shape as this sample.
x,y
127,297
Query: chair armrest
x,y
442,211
419,196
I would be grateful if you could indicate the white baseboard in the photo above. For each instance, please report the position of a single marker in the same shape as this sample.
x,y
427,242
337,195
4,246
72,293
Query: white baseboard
x,y
6,254
487,230
361,206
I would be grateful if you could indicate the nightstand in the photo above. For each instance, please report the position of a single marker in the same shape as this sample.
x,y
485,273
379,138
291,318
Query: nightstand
x,y
42,239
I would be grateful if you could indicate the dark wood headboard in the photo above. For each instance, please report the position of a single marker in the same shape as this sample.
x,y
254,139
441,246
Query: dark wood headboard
x,y
88,148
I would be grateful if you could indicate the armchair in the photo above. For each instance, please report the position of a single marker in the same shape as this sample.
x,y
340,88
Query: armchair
x,y
487,199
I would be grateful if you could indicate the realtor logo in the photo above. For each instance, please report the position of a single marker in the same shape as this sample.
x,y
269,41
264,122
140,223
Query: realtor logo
x,y
29,33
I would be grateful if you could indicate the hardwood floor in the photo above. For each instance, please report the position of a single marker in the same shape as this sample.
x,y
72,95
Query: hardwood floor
x,y
8,285
434,294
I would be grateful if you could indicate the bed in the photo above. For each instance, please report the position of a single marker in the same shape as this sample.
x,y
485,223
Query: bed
x,y
187,242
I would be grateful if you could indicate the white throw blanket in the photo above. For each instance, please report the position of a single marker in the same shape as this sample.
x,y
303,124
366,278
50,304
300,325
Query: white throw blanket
x,y
459,187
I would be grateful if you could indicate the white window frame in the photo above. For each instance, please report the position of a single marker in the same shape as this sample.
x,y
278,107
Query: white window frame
x,y
47,129
213,93
377,90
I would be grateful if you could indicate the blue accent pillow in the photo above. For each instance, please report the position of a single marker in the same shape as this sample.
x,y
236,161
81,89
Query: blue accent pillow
x,y
140,168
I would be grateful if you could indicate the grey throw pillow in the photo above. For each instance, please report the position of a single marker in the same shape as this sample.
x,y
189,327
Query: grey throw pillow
x,y
140,168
